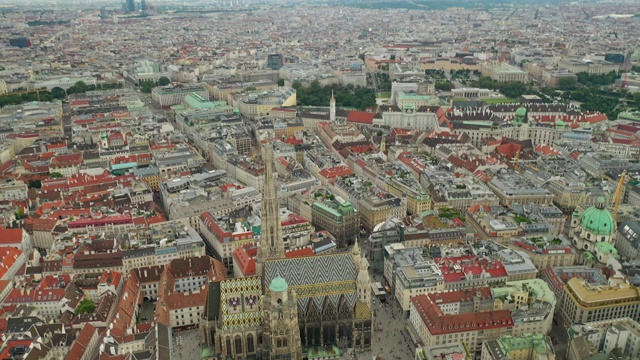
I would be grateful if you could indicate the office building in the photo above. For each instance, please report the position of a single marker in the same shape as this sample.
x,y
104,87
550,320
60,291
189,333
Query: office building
x,y
274,61
583,302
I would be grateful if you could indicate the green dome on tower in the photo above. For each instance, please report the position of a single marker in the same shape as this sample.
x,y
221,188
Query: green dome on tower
x,y
598,220
103,135
278,284
520,116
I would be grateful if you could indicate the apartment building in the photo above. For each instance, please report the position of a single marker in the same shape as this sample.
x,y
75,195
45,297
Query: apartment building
x,y
545,251
375,209
449,351
616,338
183,292
415,275
513,188
12,190
341,220
523,347
531,302
628,239
434,328
583,302
224,236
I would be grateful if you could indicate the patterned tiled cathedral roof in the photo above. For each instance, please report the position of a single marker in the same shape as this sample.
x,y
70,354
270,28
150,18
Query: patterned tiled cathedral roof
x,y
322,279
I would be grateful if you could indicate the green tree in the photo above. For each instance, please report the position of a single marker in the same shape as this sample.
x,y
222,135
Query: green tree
x,y
297,85
58,92
281,82
86,306
597,79
34,184
81,86
147,86
19,212
250,88
163,81
567,83
636,99
444,85
346,96
55,175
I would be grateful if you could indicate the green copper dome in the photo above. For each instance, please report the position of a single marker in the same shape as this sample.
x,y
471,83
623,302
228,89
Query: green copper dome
x,y
598,220
103,135
521,111
560,123
278,284
520,116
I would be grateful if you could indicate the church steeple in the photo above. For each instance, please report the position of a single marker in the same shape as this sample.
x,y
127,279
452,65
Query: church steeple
x,y
332,108
355,252
271,245
364,281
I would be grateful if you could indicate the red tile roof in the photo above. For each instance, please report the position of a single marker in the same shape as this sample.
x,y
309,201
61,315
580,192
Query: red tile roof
x,y
12,344
9,257
337,171
81,345
437,323
12,237
128,301
245,258
67,160
546,150
458,268
46,225
293,219
361,117
307,251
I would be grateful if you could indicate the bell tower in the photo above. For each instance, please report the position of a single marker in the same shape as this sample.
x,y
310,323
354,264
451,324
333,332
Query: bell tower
x,y
281,336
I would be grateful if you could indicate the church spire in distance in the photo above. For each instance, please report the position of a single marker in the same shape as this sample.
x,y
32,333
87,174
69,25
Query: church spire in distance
x,y
332,108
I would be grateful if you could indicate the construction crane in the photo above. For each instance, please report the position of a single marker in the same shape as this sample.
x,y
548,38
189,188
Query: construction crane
x,y
516,166
617,196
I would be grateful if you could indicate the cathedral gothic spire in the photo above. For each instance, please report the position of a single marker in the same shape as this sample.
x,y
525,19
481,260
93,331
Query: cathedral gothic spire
x,y
271,244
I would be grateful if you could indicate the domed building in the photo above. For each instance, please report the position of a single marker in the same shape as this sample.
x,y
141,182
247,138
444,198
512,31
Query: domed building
x,y
520,116
593,233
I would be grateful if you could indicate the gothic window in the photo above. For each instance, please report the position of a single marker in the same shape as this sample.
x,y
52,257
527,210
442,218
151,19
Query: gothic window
x,y
250,345
228,345
238,342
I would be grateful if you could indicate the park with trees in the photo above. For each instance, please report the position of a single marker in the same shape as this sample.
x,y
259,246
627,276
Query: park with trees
x,y
349,96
